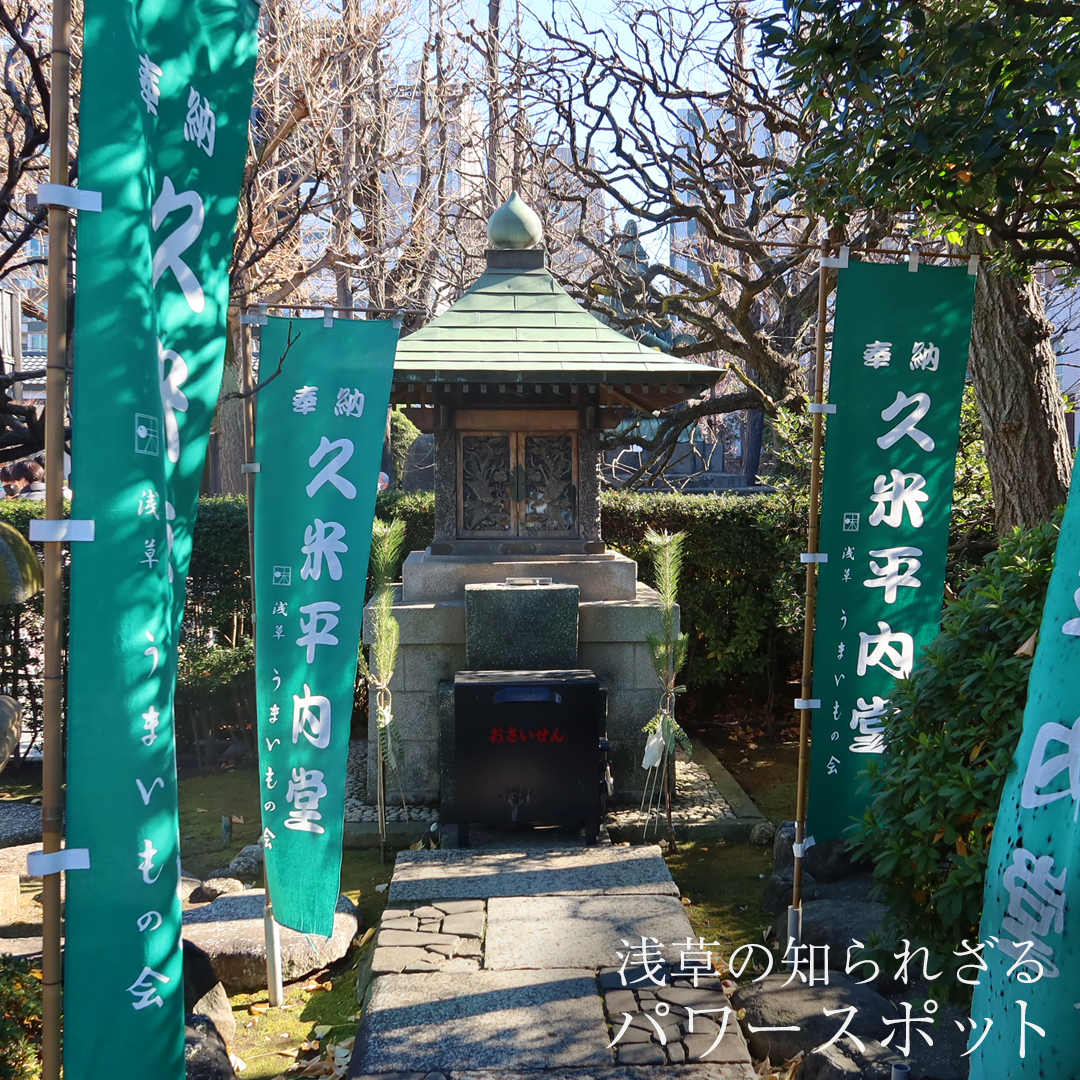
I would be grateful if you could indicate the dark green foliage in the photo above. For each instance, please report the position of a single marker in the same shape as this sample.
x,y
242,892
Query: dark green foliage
x,y
972,534
215,694
936,790
417,510
219,586
403,433
20,1019
742,585
22,630
964,112
741,593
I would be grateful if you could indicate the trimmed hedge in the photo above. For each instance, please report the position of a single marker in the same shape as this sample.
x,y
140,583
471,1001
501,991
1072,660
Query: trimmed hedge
x,y
742,589
741,594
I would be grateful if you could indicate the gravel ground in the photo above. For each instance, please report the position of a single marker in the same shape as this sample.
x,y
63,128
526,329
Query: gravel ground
x,y
357,807
695,802
20,823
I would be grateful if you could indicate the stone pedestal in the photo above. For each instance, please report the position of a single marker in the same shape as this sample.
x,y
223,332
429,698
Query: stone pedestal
x,y
615,614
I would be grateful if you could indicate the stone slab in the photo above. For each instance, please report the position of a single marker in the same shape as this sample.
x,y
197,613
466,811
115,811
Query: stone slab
x,y
609,1072
467,874
464,924
521,627
483,1019
418,939
578,931
458,907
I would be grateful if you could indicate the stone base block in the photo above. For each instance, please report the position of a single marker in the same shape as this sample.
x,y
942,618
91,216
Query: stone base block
x,y
427,578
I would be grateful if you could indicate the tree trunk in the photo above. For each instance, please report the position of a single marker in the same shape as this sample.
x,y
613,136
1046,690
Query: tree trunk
x,y
230,424
1020,402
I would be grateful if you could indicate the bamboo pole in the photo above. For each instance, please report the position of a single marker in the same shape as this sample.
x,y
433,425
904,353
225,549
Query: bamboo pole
x,y
275,991
810,614
56,384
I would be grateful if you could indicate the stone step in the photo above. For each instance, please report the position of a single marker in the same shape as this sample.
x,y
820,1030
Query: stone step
x,y
574,870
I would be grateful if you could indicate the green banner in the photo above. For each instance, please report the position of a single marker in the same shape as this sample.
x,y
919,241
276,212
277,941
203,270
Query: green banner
x,y
899,358
165,102
1029,923
319,438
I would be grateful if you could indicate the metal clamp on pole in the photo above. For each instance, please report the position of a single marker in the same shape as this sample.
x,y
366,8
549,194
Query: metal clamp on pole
x,y
820,407
800,850
813,556
41,864
839,262
248,318
914,255
973,266
52,532
328,318
807,703
794,934
250,467
70,197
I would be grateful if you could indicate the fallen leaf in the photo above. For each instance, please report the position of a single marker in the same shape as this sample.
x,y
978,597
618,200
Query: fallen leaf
x,y
237,819
322,1030
381,888
238,1064
310,1044
310,986
290,1052
686,901
1028,648
257,1008
201,810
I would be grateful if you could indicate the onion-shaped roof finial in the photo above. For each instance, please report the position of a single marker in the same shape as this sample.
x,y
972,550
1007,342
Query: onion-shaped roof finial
x,y
515,225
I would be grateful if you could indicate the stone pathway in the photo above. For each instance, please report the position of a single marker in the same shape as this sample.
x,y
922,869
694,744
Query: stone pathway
x,y
501,963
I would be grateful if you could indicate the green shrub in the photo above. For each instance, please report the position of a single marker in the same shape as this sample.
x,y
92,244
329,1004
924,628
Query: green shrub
x,y
219,585
417,510
403,433
742,587
20,1019
215,693
935,792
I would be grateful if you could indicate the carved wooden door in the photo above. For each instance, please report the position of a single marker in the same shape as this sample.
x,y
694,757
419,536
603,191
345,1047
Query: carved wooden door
x,y
517,484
